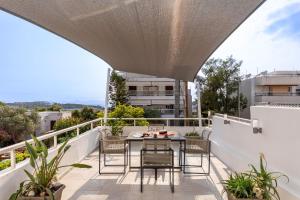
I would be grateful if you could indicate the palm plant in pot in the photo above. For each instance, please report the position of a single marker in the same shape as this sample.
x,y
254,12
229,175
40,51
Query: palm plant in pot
x,y
258,183
42,183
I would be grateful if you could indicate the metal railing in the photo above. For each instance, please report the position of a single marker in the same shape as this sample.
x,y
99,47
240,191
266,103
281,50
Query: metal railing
x,y
150,93
277,94
12,148
234,118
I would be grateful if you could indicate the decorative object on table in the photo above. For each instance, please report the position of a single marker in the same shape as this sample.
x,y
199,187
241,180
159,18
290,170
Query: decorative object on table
x,y
199,145
257,183
137,135
42,184
146,134
163,131
157,154
113,145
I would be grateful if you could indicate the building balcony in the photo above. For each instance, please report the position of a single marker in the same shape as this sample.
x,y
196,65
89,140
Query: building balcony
x,y
278,98
234,146
150,93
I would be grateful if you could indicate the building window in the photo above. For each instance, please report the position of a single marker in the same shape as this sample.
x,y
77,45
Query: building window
x,y
52,123
132,91
169,106
131,87
169,90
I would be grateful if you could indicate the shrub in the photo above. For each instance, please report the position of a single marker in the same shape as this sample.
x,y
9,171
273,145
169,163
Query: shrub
x,y
4,164
192,134
127,111
240,185
19,157
66,123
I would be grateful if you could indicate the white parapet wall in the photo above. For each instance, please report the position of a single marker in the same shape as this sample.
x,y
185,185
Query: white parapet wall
x,y
81,146
237,146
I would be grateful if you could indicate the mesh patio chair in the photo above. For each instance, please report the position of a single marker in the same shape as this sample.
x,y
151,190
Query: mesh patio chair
x,y
113,145
197,145
157,154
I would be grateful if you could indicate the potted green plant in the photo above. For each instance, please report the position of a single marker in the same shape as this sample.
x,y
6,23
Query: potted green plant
x,y
239,186
42,183
257,183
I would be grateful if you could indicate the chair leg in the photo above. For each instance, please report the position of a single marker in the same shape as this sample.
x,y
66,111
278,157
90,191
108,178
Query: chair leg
x,y
203,173
184,161
201,159
99,159
179,157
208,171
142,176
155,174
173,180
124,162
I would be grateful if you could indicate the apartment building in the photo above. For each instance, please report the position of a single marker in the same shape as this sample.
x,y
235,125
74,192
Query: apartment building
x,y
274,88
156,93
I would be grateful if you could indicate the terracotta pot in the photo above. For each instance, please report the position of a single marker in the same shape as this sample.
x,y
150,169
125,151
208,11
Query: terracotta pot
x,y
231,197
57,195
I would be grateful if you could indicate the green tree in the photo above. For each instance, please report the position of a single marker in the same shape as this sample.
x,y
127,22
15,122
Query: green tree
x,y
2,104
85,114
88,114
117,89
16,123
76,114
220,83
151,113
66,123
55,107
128,111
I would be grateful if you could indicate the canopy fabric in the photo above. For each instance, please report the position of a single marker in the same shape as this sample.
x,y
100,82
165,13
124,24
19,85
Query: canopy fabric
x,y
165,38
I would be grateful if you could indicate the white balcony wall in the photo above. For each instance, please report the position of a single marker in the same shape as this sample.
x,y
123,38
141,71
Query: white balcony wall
x,y
80,148
237,146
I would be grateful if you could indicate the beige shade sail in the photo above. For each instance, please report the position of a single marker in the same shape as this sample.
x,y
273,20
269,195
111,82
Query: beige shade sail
x,y
165,38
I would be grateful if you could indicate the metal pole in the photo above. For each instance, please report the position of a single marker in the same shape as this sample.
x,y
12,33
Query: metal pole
x,y
198,86
239,103
177,101
106,95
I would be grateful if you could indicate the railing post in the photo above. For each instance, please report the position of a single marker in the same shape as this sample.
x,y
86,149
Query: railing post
x,y
101,122
167,122
134,122
77,130
92,126
55,141
12,159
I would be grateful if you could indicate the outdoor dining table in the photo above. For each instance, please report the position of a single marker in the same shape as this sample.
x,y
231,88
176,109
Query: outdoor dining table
x,y
172,135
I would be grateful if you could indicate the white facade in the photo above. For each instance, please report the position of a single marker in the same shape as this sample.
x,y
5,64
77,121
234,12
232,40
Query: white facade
x,y
48,119
155,93
280,87
237,146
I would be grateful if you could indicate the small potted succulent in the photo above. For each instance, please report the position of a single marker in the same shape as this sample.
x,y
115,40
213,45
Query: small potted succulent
x,y
193,135
42,183
257,183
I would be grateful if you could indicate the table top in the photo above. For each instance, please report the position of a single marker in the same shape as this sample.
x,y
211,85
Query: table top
x,y
133,136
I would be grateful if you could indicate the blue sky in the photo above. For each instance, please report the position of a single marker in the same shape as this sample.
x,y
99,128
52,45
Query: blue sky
x,y
38,65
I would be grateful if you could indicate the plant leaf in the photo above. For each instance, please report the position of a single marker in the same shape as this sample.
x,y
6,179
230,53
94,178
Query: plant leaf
x,y
31,177
31,150
79,165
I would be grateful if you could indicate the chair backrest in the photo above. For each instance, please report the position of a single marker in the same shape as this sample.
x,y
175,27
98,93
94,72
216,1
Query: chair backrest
x,y
157,144
206,134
